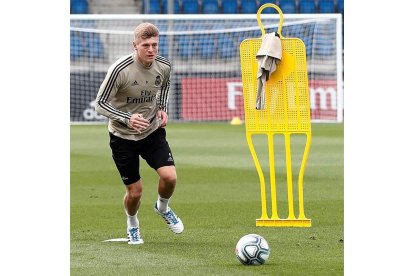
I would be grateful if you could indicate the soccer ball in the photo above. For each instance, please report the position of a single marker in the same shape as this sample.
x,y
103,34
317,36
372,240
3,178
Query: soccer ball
x,y
252,249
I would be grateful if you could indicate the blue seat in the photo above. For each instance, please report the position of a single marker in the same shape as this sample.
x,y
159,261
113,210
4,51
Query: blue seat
x,y
226,48
186,47
326,6
267,10
294,30
249,6
154,7
190,7
324,47
230,6
75,46
307,6
288,6
163,45
206,47
94,45
210,7
79,7
177,7
340,6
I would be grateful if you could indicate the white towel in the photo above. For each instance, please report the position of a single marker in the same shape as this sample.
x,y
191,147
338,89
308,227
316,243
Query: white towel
x,y
268,57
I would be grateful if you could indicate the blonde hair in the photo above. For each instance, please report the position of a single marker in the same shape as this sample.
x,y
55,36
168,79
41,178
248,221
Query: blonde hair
x,y
145,30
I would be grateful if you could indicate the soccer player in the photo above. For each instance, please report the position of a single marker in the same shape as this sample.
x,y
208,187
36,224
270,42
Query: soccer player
x,y
134,96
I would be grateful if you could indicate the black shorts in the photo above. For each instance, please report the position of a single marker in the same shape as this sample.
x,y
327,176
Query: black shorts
x,y
154,149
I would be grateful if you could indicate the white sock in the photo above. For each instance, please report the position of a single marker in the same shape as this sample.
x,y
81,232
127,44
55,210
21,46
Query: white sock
x,y
162,204
132,221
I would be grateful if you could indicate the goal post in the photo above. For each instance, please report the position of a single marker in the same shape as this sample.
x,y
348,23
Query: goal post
x,y
206,82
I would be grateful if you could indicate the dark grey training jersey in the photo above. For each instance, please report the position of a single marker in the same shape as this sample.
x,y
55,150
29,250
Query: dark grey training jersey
x,y
128,88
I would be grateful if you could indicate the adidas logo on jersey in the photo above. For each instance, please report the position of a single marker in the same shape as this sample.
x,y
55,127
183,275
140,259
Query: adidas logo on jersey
x,y
134,83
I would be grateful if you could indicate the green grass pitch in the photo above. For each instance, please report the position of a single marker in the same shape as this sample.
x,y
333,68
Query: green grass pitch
x,y
218,198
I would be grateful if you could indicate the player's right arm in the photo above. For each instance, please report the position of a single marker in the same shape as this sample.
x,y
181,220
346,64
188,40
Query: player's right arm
x,y
113,81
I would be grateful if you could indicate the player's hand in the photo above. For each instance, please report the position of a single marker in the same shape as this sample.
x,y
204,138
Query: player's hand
x,y
138,122
162,117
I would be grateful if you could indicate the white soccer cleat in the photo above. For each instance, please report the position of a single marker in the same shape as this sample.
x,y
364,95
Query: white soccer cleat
x,y
134,236
174,222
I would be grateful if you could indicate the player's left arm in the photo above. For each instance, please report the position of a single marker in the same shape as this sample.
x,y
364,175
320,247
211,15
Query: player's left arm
x,y
163,99
162,117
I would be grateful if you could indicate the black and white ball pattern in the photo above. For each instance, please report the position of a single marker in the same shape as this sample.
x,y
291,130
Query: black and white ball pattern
x,y
252,249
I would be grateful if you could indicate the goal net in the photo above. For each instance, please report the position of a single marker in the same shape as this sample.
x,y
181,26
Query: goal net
x,y
204,51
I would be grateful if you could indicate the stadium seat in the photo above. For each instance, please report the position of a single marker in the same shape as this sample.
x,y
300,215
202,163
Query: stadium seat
x,y
324,48
307,6
249,6
163,45
210,7
326,6
226,47
340,6
293,30
230,7
288,6
186,47
267,10
198,26
79,7
177,7
94,45
190,6
154,7
75,46
206,47
340,9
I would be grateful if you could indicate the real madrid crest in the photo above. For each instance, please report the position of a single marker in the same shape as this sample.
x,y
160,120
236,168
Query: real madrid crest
x,y
158,80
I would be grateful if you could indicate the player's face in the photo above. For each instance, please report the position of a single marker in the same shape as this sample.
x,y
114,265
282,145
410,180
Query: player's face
x,y
147,50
